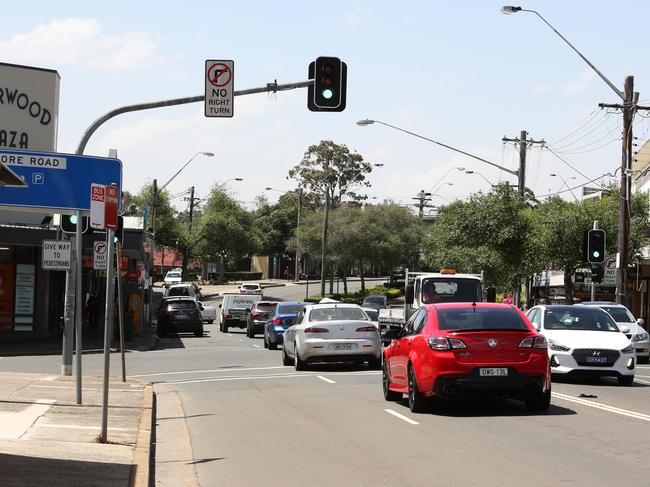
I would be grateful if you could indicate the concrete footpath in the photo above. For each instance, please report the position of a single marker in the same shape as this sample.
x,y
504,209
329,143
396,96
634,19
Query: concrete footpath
x,y
47,439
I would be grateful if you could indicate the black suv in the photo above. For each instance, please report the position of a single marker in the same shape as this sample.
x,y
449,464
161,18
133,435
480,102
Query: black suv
x,y
179,314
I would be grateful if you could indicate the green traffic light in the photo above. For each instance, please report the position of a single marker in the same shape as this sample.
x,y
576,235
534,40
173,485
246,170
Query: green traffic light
x,y
73,219
327,93
595,254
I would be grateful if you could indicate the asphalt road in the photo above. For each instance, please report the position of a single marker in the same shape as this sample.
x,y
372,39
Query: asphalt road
x,y
252,422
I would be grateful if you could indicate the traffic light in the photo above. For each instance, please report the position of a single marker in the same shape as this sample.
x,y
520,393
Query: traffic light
x,y
69,224
596,246
327,92
597,273
118,235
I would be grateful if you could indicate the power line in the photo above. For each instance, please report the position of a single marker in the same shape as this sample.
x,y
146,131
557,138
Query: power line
x,y
579,186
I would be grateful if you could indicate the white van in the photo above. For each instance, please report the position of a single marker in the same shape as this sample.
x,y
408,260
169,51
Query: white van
x,y
235,309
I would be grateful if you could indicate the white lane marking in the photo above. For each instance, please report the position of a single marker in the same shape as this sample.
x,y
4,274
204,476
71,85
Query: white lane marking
x,y
604,407
329,381
252,377
401,416
641,381
256,346
643,367
50,377
229,334
15,424
211,370
644,376
241,340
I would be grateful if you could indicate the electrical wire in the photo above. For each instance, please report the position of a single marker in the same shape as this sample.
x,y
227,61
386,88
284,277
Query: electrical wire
x,y
566,162
579,186
590,117
604,119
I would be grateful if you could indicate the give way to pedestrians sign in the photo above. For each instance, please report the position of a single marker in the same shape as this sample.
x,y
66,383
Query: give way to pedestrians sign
x,y
57,255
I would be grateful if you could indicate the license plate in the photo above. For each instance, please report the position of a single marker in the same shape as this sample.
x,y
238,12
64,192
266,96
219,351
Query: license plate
x,y
343,346
596,360
182,316
493,372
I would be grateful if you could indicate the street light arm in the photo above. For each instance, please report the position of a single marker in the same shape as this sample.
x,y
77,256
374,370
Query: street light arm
x,y
178,172
602,76
514,173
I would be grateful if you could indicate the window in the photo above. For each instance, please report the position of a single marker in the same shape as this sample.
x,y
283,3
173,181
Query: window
x,y
331,314
450,290
415,323
300,316
620,314
184,304
475,318
578,318
533,316
179,291
289,309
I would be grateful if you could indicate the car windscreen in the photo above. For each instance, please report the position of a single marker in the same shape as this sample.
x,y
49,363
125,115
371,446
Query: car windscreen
x,y
249,286
578,318
179,291
173,274
289,309
450,290
478,319
620,315
185,304
331,314
374,300
372,314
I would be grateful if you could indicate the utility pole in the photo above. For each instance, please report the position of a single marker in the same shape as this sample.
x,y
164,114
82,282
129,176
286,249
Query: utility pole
x,y
523,142
422,199
629,108
296,276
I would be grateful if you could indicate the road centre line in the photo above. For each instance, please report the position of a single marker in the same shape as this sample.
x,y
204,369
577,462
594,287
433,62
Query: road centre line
x,y
254,377
401,416
231,369
604,407
329,381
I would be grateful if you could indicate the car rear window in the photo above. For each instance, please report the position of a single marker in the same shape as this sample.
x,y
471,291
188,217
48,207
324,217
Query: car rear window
x,y
329,314
266,306
250,286
179,291
372,314
478,319
174,274
185,304
374,300
289,309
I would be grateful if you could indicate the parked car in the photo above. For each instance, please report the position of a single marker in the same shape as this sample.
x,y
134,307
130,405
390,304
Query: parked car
x,y
179,314
235,309
250,289
585,341
183,290
331,332
208,313
376,301
258,317
466,349
623,317
173,277
282,318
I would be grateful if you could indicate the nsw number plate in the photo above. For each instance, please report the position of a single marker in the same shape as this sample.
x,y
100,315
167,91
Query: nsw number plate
x,y
597,360
493,372
343,346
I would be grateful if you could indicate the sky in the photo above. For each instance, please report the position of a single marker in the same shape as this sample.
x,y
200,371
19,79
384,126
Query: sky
x,y
460,73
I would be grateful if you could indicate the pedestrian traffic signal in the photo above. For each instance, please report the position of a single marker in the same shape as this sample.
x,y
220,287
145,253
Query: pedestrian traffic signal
x,y
597,273
69,224
327,92
596,246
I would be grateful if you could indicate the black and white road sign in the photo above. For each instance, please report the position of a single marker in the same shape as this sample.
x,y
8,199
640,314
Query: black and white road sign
x,y
610,270
100,256
219,88
57,255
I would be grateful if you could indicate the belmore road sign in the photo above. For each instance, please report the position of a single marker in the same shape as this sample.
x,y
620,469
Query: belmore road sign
x,y
57,255
610,270
60,182
100,258
219,88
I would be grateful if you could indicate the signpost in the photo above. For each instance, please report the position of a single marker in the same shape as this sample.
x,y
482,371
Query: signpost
x,y
57,255
219,88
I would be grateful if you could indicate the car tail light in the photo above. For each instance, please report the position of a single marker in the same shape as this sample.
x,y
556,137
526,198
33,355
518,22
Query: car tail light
x,y
533,342
444,343
196,312
315,329
226,316
278,321
366,328
257,314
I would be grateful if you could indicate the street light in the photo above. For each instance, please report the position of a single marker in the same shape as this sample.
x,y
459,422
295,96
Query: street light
x,y
479,174
564,183
628,107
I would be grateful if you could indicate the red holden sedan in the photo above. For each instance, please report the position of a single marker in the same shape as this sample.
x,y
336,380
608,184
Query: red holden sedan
x,y
453,350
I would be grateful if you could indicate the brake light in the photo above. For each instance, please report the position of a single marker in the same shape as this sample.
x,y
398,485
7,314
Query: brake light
x,y
196,311
278,321
534,342
256,314
366,328
226,316
444,343
315,329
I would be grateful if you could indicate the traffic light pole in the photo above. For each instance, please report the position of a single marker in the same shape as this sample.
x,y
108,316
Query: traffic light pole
x,y
68,316
593,284
79,303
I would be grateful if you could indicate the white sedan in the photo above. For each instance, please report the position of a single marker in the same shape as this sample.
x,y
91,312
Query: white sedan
x,y
331,332
250,289
208,313
585,341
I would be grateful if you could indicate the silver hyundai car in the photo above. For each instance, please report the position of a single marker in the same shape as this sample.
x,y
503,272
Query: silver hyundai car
x,y
331,332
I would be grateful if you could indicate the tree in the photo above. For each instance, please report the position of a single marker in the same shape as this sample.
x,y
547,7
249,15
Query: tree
x,y
276,224
331,169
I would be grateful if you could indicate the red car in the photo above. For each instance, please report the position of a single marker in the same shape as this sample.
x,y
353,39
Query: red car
x,y
453,350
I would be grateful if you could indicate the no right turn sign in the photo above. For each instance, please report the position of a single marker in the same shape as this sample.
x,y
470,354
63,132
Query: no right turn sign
x,y
100,259
219,88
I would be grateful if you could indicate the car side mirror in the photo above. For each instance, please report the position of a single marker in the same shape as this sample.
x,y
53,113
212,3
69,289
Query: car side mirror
x,y
391,334
640,321
625,329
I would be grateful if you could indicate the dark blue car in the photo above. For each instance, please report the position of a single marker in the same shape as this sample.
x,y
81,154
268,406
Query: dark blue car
x,y
283,318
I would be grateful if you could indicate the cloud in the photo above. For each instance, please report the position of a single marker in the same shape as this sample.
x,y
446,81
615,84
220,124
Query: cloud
x,y
569,88
357,16
80,42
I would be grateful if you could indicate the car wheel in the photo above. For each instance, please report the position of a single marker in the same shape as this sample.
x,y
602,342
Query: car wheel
x,y
248,332
285,358
298,364
266,343
161,332
417,401
388,394
224,328
538,402
272,345
643,360
210,322
626,380
374,364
